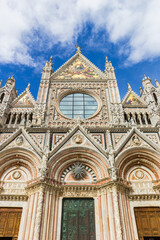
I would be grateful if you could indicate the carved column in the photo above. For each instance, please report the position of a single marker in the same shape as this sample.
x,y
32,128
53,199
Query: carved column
x,y
117,213
39,214
145,119
16,118
23,119
10,120
139,117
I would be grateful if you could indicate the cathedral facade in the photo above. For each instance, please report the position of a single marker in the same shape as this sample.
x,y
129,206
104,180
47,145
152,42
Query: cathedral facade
x,y
79,163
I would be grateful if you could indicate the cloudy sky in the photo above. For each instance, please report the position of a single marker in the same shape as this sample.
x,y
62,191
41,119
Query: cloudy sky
x,y
126,31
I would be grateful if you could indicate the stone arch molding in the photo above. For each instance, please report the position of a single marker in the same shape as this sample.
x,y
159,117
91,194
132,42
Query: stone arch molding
x,y
18,158
141,156
94,162
18,166
140,168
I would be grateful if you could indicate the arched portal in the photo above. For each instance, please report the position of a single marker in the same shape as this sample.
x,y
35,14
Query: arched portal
x,y
139,169
18,167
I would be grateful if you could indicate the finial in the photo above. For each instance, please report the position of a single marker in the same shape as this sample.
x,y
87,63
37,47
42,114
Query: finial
x,y
0,83
51,58
17,92
157,83
78,49
12,77
145,76
28,87
106,59
129,87
78,120
140,89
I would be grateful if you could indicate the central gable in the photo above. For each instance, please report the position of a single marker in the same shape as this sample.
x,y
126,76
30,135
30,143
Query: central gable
x,y
78,67
78,70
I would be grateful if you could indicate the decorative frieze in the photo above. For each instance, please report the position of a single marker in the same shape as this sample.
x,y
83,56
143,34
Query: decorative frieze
x,y
13,197
145,197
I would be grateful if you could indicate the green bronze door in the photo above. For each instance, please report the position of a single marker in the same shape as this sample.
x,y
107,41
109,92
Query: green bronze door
x,y
78,220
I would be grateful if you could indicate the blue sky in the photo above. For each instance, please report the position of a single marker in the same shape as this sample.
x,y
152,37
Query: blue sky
x,y
126,31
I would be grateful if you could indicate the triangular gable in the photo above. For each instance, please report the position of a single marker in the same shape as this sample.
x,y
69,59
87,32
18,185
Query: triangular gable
x,y
117,139
133,100
38,138
135,138
80,138
24,100
21,139
78,67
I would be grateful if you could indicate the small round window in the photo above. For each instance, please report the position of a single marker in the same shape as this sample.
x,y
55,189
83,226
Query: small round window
x,y
78,104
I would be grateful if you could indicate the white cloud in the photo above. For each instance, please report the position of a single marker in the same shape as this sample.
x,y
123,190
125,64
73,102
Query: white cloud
x,y
29,24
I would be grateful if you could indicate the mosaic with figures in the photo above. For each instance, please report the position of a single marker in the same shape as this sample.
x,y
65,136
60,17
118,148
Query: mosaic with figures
x,y
25,100
132,100
78,70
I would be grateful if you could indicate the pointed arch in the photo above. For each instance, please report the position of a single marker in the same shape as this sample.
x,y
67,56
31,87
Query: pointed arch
x,y
59,162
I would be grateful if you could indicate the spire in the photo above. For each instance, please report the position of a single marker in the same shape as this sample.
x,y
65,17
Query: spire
x,y
10,82
146,82
129,87
140,89
157,83
50,61
109,69
47,70
28,87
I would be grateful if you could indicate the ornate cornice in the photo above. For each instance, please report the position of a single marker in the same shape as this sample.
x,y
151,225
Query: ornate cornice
x,y
13,197
121,187
144,197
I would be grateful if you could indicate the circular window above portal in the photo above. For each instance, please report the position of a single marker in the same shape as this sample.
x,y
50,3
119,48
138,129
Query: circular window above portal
x,y
78,104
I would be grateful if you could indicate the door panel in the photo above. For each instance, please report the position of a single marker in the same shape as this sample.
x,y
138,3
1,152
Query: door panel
x,y
148,222
78,220
9,222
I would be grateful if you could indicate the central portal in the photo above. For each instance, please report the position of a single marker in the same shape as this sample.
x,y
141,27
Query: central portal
x,y
78,219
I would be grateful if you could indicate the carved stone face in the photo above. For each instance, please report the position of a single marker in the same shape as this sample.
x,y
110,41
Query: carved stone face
x,y
19,140
78,139
78,171
136,140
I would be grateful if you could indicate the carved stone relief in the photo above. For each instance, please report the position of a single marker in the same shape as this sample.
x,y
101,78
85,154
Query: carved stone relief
x,y
78,139
4,137
19,140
